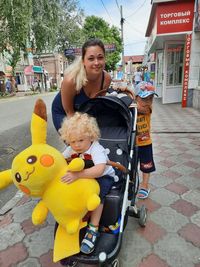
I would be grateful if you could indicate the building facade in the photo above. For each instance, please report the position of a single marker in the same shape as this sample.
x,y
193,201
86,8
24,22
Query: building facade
x,y
174,38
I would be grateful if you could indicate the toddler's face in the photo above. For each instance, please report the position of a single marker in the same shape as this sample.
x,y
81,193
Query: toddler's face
x,y
80,142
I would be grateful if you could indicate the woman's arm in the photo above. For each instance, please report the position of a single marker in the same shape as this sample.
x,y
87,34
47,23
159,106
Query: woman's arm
x,y
68,93
144,107
107,80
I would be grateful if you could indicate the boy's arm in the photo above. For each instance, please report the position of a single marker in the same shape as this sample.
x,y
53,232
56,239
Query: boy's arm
x,y
144,107
93,172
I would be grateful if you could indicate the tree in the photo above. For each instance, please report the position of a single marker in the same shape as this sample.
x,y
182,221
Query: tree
x,y
95,27
41,25
14,27
70,29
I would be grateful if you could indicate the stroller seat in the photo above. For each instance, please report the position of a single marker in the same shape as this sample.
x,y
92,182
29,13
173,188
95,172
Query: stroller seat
x,y
107,242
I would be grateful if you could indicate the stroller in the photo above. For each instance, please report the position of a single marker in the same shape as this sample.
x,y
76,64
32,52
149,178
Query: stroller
x,y
117,123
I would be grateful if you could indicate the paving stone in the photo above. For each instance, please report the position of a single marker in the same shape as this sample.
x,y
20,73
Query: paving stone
x,y
5,220
152,232
12,203
24,212
196,174
191,233
46,260
193,164
149,204
193,197
30,262
196,218
153,261
164,197
176,251
136,244
28,227
171,174
169,219
188,181
157,181
177,188
43,237
12,255
10,235
183,169
184,207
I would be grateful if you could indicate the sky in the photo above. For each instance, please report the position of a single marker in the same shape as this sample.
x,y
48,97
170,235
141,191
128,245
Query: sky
x,y
136,14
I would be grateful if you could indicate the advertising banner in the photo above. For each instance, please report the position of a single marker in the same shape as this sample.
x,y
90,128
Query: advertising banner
x,y
175,17
186,69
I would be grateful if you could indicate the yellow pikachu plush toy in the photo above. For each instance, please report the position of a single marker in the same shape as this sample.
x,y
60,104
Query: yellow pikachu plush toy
x,y
37,172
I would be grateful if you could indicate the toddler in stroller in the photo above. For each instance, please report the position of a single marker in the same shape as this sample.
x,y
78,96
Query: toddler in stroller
x,y
117,123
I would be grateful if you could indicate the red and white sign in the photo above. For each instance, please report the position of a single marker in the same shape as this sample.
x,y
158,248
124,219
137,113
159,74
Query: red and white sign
x,y
175,17
186,69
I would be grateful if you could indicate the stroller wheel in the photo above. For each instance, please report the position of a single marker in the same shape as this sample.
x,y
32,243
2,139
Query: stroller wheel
x,y
114,263
68,263
142,216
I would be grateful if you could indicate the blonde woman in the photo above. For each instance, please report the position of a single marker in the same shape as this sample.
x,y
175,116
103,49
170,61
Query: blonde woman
x,y
81,133
83,79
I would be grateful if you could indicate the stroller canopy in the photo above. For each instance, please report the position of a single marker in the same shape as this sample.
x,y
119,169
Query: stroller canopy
x,y
109,111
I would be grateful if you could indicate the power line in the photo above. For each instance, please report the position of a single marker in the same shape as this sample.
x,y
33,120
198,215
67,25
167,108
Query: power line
x,y
117,4
107,11
137,9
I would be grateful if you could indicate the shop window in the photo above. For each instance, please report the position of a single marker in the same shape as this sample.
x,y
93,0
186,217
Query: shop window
x,y
199,78
175,53
159,68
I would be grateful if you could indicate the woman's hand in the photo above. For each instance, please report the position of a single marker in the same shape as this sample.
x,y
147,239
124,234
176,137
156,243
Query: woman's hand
x,y
70,177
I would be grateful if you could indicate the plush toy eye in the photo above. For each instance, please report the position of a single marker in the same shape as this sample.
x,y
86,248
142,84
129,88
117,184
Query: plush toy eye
x,y
31,159
18,177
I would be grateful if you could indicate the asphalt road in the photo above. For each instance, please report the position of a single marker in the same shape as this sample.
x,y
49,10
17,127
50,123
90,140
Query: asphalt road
x,y
15,136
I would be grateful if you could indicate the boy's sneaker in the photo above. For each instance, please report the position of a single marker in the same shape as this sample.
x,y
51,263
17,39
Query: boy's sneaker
x,y
89,241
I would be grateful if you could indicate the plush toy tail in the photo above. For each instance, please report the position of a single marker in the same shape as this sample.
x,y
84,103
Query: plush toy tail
x,y
65,244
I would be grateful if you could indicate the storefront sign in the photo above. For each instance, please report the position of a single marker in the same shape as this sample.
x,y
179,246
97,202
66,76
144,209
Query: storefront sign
x,y
175,17
186,69
77,51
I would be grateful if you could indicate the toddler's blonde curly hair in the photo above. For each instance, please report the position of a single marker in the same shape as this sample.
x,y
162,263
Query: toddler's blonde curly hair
x,y
82,124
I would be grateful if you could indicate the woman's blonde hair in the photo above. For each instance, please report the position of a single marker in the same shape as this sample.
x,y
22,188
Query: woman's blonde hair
x,y
76,71
82,124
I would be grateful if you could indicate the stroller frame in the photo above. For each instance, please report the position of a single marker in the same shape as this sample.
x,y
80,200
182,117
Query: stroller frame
x,y
130,186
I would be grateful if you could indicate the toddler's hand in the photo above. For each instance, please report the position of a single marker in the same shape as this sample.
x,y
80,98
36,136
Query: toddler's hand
x,y
70,177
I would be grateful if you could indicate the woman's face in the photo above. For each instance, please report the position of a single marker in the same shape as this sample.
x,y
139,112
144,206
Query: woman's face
x,y
94,60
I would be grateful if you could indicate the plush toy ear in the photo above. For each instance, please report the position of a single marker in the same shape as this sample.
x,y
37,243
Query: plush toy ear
x,y
39,123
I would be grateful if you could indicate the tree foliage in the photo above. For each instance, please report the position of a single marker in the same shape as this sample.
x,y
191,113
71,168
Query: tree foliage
x,y
51,25
95,27
14,27
43,25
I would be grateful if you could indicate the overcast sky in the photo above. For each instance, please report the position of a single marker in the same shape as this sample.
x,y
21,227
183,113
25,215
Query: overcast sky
x,y
136,14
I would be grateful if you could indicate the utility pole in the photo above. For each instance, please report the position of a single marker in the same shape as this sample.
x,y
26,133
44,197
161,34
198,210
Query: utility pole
x,y
122,35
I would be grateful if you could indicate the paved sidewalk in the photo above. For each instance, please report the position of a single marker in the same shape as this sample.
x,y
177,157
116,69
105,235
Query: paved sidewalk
x,y
171,237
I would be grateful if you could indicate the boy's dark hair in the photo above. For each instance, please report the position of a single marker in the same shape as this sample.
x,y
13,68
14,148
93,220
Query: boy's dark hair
x,y
92,42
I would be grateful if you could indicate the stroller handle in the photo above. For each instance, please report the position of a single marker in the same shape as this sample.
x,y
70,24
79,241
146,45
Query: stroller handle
x,y
117,165
126,91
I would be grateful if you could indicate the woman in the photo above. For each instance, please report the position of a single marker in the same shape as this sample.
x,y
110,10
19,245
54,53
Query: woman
x,y
83,80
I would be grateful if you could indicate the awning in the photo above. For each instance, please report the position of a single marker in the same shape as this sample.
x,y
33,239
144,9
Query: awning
x,y
29,70
38,69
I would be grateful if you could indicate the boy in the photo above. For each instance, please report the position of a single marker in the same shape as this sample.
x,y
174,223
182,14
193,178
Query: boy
x,y
144,99
81,132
